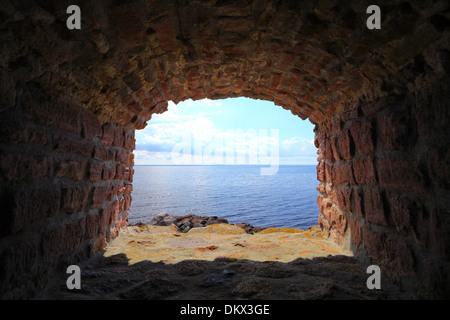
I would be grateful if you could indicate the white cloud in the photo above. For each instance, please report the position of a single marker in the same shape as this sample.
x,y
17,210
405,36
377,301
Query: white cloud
x,y
176,138
297,146
207,102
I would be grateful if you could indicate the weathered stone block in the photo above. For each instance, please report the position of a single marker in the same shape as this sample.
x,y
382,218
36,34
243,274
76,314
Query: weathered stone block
x,y
74,199
356,231
395,131
90,125
362,134
342,173
345,145
373,206
401,175
95,171
364,171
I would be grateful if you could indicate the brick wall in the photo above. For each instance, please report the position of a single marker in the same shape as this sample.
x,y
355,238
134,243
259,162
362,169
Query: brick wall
x,y
66,185
382,188
71,99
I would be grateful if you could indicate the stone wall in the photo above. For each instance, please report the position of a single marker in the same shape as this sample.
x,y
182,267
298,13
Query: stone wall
x,y
66,185
71,100
382,188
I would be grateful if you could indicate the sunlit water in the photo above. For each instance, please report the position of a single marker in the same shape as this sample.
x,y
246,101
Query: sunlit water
x,y
237,193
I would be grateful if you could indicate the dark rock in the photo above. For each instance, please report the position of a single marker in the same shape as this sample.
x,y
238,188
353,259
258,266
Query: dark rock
x,y
218,278
187,222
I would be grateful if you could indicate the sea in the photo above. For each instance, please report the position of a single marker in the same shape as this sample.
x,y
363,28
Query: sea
x,y
237,193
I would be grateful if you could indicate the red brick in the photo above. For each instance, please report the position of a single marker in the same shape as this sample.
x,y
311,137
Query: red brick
x,y
324,224
285,60
350,115
51,111
345,145
74,199
320,149
133,82
334,149
128,174
91,226
342,173
373,107
401,175
356,231
341,198
18,260
362,134
357,204
25,166
108,172
364,171
95,171
324,204
401,259
275,81
336,127
120,172
108,134
394,131
90,125
336,237
337,219
100,154
129,141
62,240
374,244
83,148
193,77
99,242
128,188
373,207
74,170
407,215
165,32
126,21
320,168
328,169
30,207
104,218
122,156
100,195
328,151
28,135
125,202
119,138
113,211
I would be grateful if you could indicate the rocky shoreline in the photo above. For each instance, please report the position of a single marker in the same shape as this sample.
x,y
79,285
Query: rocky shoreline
x,y
190,221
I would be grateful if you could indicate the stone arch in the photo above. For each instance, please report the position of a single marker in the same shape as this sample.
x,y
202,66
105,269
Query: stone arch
x,y
73,98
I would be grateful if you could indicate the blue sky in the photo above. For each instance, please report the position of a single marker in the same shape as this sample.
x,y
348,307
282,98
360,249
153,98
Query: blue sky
x,y
228,131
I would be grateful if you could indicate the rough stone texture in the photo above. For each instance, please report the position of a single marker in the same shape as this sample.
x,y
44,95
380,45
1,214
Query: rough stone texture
x,y
330,278
386,197
159,262
71,100
187,222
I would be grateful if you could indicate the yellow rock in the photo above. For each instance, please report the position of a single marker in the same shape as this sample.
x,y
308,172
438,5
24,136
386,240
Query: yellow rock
x,y
155,243
221,228
287,230
160,229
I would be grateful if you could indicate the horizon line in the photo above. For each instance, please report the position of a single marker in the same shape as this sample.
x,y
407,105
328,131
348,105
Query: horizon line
x,y
217,165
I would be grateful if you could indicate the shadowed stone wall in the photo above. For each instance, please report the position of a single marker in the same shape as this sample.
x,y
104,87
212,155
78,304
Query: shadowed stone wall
x,y
72,100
